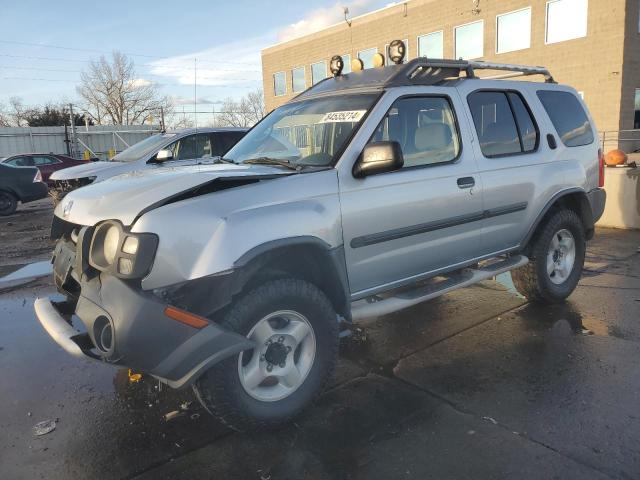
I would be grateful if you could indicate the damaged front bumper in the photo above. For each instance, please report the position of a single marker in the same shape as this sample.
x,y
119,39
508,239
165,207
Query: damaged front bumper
x,y
127,326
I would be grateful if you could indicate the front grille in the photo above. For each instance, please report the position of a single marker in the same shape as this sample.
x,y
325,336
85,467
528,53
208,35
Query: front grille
x,y
61,228
61,187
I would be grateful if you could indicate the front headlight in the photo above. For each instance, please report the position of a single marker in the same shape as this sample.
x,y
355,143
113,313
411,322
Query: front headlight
x,y
119,252
110,244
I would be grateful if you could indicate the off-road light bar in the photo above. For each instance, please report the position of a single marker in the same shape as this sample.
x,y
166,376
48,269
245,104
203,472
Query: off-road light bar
x,y
336,65
397,51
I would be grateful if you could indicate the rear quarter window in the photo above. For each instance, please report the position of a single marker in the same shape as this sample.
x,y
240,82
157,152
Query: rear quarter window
x,y
568,117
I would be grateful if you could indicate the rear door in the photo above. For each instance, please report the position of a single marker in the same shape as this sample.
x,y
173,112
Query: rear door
x,y
407,224
510,155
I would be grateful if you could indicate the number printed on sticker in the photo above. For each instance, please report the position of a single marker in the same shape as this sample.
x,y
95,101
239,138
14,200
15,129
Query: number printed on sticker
x,y
345,116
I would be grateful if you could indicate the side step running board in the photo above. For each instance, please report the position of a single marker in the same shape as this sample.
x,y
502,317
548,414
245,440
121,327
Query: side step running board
x,y
404,298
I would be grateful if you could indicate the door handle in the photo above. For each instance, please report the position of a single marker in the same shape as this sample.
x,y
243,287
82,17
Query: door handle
x,y
466,182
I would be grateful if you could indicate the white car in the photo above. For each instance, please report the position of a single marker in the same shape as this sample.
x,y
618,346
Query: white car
x,y
182,147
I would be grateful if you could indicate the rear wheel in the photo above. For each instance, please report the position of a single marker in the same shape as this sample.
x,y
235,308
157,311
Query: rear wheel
x,y
295,329
556,260
8,203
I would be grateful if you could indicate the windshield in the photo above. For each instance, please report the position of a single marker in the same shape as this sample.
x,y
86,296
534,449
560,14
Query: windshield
x,y
307,133
143,148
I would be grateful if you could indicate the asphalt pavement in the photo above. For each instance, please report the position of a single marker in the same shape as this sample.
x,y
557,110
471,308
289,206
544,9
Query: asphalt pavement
x,y
476,384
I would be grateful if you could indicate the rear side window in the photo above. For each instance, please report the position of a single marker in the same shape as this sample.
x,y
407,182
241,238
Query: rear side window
x,y
20,162
503,123
44,160
568,117
222,142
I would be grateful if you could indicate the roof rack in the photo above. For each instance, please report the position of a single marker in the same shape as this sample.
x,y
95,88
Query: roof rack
x,y
426,71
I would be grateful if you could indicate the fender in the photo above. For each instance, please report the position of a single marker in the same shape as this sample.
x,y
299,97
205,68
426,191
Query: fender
x,y
585,213
208,295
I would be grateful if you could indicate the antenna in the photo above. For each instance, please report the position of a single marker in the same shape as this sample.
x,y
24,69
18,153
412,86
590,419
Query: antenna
x,y
346,15
195,93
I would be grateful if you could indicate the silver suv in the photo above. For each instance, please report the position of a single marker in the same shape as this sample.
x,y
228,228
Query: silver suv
x,y
366,194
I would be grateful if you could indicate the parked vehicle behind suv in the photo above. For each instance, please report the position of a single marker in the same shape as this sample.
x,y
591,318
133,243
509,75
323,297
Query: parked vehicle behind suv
x,y
19,185
47,163
366,194
182,147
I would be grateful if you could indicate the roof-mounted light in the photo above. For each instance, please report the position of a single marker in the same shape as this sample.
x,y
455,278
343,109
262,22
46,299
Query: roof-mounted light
x,y
397,51
378,60
357,65
336,65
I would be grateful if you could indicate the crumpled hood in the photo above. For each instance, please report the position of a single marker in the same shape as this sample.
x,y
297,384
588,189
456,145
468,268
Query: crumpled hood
x,y
124,197
91,169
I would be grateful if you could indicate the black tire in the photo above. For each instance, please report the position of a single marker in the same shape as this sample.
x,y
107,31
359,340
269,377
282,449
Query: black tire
x,y
220,389
532,280
8,203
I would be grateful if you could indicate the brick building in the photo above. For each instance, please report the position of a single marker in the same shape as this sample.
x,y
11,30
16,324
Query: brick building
x,y
593,45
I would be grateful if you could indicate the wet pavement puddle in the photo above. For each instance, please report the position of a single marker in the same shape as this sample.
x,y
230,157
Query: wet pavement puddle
x,y
25,274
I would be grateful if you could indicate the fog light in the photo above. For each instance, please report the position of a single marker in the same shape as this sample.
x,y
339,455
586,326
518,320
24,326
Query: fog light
x,y
125,266
103,334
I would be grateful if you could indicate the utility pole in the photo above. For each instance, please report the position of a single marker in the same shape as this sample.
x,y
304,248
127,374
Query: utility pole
x,y
74,137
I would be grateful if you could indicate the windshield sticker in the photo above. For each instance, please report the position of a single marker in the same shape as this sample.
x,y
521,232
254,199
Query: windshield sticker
x,y
346,116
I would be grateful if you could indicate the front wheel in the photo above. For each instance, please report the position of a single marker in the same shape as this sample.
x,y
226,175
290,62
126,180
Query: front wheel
x,y
556,260
8,203
295,329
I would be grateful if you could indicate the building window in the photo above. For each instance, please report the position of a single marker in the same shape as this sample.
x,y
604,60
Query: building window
x,y
279,84
566,19
513,31
431,45
318,72
387,60
636,117
367,57
298,83
469,40
347,63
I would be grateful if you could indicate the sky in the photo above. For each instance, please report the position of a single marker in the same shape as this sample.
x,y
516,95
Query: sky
x,y
44,45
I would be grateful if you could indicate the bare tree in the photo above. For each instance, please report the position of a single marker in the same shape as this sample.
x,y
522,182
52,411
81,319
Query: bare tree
x,y
114,94
243,113
181,121
5,120
18,113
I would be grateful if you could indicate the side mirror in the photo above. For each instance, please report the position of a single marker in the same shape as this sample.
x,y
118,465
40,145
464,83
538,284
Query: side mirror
x,y
379,157
164,155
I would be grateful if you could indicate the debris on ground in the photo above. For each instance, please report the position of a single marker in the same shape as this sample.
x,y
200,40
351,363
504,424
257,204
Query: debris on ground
x,y
172,415
42,428
134,377
194,416
490,419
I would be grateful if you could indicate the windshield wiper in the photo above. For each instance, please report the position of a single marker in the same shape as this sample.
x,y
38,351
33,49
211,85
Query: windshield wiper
x,y
223,160
271,161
